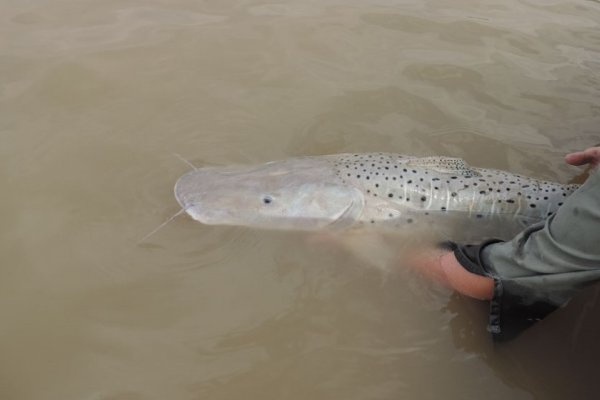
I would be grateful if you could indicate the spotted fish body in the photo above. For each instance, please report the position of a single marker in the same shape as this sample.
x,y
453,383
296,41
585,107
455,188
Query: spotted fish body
x,y
422,186
369,189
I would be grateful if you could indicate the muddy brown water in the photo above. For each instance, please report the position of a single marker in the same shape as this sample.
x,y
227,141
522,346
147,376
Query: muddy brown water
x,y
96,96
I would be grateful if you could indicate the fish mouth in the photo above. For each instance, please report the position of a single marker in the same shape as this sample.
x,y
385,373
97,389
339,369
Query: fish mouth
x,y
179,193
188,192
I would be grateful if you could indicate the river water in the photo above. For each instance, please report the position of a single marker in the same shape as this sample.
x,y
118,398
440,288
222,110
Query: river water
x,y
96,96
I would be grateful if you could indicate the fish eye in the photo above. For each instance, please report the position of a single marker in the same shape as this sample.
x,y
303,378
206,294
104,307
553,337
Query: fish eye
x,y
267,199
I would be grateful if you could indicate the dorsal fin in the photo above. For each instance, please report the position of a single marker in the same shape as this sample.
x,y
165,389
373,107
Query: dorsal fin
x,y
446,165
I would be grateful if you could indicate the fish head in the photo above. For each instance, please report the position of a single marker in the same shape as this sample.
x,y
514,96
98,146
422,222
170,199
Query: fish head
x,y
292,194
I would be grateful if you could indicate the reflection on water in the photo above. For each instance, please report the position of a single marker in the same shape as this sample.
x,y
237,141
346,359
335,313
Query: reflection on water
x,y
96,96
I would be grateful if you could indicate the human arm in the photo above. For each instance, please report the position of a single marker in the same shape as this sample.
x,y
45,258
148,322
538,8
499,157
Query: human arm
x,y
446,267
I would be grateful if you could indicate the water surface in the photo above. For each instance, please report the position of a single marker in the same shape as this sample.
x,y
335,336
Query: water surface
x,y
96,96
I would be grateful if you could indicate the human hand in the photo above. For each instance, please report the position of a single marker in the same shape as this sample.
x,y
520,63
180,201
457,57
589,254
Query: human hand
x,y
589,156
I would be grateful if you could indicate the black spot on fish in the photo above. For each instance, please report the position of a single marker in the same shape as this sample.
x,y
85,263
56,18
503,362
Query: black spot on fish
x,y
532,205
423,198
443,208
409,220
482,192
453,194
390,195
479,216
267,199
510,201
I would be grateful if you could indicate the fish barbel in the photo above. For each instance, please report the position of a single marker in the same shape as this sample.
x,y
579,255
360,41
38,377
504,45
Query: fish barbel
x,y
357,190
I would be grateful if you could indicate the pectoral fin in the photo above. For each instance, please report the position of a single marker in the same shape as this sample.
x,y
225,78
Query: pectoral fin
x,y
351,213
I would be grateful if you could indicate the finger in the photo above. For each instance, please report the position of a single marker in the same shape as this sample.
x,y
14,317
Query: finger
x,y
589,156
579,158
